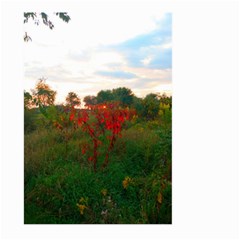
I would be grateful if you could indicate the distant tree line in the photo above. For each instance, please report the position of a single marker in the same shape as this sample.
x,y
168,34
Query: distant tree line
x,y
148,107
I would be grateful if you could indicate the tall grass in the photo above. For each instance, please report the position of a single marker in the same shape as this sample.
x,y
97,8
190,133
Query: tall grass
x,y
56,179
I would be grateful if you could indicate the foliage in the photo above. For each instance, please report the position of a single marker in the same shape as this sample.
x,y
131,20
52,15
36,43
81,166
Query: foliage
x,y
165,110
102,123
29,120
27,100
164,151
43,95
151,106
123,95
38,17
165,100
105,96
134,188
101,164
138,105
90,100
72,99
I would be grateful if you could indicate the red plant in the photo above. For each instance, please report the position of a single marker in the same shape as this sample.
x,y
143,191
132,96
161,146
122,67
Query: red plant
x,y
102,121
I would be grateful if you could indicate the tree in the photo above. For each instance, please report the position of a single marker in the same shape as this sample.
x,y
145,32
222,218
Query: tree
x,y
151,106
43,94
72,99
37,17
165,109
105,96
164,99
29,117
123,95
90,100
27,100
138,105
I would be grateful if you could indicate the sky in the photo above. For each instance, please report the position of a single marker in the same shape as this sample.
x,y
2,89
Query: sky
x,y
102,47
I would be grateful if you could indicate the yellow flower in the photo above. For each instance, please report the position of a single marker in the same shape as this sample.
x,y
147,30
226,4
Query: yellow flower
x,y
83,200
126,182
81,208
104,192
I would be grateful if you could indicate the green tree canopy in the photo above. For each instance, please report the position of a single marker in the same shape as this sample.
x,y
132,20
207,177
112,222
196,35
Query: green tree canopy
x,y
138,105
90,100
123,95
151,106
105,96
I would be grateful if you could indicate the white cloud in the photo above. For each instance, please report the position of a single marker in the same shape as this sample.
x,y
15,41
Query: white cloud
x,y
150,73
167,45
71,54
146,60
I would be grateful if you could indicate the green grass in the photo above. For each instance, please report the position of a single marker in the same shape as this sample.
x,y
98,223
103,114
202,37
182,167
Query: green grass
x,y
56,178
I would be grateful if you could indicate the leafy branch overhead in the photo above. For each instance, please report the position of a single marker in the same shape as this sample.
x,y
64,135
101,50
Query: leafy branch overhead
x,y
38,17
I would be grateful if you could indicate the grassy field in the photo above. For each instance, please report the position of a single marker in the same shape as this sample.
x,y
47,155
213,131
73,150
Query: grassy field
x,y
135,188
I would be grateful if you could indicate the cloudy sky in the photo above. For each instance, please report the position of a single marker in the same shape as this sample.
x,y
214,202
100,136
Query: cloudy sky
x,y
102,47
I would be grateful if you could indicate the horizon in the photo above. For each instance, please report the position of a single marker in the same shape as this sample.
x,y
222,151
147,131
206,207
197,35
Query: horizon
x,y
82,104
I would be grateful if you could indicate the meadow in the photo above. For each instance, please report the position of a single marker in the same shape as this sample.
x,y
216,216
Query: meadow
x,y
80,168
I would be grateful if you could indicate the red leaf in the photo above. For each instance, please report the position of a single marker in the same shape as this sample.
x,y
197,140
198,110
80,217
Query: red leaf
x,y
79,121
71,116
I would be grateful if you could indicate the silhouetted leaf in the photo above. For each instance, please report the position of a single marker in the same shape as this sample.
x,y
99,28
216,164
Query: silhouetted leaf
x,y
35,17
